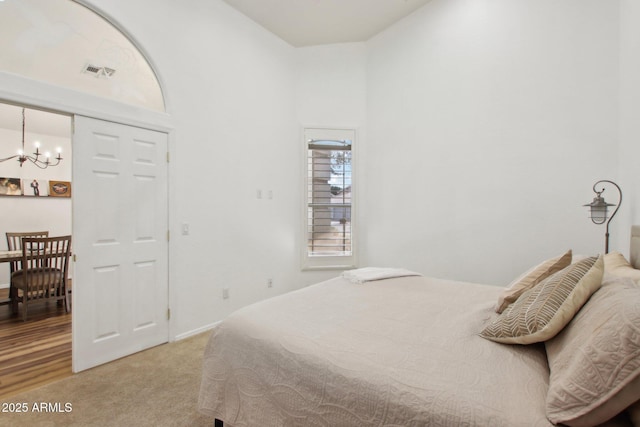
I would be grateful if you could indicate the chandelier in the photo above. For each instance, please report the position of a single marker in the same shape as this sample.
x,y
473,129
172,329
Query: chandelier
x,y
41,160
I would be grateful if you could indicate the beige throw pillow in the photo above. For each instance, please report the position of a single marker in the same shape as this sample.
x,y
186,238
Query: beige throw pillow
x,y
542,311
531,278
595,361
615,264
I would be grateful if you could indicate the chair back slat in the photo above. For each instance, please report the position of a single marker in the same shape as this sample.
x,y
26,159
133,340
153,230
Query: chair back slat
x,y
46,265
14,243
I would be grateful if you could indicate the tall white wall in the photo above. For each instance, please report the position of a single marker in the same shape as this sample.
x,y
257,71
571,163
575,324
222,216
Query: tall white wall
x,y
488,123
482,124
331,92
229,86
629,113
331,86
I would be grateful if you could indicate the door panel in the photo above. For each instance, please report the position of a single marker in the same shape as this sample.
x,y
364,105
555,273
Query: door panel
x,y
120,289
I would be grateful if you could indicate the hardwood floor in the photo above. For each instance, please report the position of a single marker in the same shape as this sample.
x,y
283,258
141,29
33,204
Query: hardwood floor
x,y
35,352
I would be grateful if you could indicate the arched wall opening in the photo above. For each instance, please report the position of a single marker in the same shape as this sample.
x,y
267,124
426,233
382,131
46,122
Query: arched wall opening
x,y
60,56
66,44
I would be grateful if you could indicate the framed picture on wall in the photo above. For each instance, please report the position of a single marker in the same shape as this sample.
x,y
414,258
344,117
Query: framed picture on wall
x,y
10,187
35,187
59,189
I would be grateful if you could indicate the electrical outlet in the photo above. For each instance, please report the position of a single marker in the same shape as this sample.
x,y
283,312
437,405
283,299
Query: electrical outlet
x,y
225,293
269,283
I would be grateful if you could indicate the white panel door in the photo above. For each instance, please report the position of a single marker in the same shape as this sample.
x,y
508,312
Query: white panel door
x,y
120,280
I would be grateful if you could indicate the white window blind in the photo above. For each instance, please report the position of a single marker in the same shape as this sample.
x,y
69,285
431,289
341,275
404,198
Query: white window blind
x,y
329,188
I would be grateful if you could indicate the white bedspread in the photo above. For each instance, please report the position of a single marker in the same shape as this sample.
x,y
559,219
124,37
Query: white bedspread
x,y
396,352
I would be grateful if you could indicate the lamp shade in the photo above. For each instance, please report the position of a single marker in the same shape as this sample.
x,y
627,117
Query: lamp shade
x,y
599,209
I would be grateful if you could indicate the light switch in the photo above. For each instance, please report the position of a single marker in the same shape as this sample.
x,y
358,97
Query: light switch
x,y
185,229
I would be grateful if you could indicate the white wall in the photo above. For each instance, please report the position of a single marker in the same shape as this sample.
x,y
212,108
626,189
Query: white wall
x,y
331,85
488,123
331,93
483,126
23,213
230,91
629,117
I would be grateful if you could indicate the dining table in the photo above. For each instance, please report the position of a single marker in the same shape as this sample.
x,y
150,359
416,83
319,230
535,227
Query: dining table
x,y
9,256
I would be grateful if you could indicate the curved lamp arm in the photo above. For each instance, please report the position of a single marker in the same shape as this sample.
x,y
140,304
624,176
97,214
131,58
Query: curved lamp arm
x,y
606,244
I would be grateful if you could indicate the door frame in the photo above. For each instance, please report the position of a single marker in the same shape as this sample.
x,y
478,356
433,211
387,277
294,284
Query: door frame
x,y
18,90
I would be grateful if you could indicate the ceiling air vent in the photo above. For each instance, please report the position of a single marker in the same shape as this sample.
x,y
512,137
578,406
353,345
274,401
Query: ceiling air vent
x,y
99,71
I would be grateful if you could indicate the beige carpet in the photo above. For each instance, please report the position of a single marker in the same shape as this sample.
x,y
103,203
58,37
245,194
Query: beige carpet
x,y
157,387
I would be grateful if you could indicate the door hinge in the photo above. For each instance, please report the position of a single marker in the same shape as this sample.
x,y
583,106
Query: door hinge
x,y
74,258
168,235
168,157
168,314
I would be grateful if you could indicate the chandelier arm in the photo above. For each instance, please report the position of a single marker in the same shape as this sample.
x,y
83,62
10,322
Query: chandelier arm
x,y
38,163
9,158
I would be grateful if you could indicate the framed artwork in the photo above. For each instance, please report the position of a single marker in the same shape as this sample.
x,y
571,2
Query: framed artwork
x,y
10,187
59,189
35,187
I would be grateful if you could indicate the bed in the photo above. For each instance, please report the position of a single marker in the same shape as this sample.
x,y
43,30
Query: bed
x,y
387,347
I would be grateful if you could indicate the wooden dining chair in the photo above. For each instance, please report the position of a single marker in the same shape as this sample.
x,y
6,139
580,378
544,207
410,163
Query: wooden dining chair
x,y
44,273
14,243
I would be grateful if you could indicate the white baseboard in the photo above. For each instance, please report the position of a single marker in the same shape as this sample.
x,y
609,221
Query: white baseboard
x,y
196,331
4,285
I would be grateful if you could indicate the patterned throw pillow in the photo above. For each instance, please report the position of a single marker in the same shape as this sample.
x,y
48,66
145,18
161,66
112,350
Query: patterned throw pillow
x,y
531,278
542,311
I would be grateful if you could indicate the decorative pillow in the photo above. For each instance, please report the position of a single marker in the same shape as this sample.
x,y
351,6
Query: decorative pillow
x,y
577,257
595,360
542,311
617,265
531,278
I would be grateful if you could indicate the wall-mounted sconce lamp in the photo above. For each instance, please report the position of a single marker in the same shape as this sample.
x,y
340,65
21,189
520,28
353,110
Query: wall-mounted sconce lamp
x,y
599,209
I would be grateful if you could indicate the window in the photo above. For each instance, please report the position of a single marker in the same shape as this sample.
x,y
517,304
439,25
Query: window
x,y
329,198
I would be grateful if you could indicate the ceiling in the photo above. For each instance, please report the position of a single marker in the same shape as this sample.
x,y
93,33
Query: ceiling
x,y
35,31
315,22
36,121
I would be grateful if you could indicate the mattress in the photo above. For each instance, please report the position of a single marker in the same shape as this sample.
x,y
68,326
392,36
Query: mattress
x,y
396,352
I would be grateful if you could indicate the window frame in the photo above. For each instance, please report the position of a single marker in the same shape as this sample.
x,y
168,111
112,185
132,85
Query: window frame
x,y
328,262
